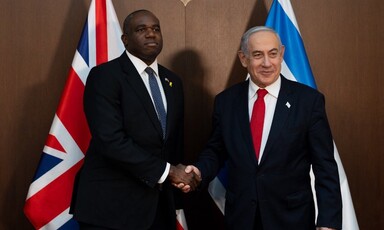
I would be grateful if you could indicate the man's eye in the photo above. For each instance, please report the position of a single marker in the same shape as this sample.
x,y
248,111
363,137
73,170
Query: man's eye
x,y
273,55
140,30
257,55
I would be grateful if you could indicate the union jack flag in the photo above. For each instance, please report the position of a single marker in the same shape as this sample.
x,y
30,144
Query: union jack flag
x,y
49,196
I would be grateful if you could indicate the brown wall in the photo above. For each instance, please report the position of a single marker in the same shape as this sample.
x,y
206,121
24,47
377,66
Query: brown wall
x,y
343,41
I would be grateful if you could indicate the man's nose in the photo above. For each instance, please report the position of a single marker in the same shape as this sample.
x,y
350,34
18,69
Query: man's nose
x,y
150,32
266,61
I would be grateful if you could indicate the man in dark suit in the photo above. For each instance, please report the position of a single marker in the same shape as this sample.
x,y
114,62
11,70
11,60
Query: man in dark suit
x,y
125,182
269,185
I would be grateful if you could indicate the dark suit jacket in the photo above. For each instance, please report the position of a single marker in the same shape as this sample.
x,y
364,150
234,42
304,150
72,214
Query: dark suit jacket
x,y
280,185
117,185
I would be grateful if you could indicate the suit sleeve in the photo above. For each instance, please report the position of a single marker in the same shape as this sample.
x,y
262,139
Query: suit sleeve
x,y
212,157
327,183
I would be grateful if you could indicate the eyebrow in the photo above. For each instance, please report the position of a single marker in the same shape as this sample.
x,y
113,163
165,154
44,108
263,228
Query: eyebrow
x,y
145,25
269,51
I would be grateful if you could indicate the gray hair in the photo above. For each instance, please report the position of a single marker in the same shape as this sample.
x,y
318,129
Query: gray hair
x,y
246,35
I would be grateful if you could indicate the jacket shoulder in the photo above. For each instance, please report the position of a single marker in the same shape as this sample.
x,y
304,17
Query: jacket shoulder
x,y
299,87
167,72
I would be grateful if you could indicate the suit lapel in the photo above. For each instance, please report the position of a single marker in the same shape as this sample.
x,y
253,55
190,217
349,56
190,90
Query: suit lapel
x,y
134,79
243,120
284,102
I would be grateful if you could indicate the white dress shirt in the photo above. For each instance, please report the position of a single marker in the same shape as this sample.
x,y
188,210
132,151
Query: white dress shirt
x,y
270,100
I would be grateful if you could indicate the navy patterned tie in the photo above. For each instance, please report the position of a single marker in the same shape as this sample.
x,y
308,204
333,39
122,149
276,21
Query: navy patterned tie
x,y
158,100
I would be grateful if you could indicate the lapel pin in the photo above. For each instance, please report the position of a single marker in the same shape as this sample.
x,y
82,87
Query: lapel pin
x,y
288,105
169,82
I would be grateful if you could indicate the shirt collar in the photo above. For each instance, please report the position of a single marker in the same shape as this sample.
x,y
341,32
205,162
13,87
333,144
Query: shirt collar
x,y
272,89
141,66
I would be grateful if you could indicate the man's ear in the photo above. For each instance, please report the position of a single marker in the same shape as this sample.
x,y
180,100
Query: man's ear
x,y
124,39
282,50
243,58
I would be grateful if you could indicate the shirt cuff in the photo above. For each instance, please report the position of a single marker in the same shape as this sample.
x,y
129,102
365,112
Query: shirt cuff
x,y
165,174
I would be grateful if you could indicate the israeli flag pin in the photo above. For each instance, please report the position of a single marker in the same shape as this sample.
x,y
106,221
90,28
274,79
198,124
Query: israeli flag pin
x,y
288,105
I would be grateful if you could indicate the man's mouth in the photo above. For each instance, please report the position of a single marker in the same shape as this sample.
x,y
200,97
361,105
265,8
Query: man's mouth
x,y
151,44
266,72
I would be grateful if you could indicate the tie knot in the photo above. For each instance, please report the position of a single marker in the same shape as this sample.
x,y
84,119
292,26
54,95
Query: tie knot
x,y
149,70
261,93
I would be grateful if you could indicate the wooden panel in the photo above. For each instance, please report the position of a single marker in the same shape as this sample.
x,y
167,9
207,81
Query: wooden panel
x,y
343,41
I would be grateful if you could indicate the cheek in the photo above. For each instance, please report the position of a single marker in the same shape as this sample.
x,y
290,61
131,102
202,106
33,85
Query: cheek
x,y
253,69
255,64
277,63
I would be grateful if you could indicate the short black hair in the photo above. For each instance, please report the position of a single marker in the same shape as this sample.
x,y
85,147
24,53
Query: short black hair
x,y
129,17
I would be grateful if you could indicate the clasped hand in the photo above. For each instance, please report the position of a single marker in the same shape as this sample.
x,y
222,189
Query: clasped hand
x,y
186,178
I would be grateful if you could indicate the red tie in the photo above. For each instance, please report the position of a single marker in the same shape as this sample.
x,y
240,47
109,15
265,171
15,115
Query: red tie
x,y
257,120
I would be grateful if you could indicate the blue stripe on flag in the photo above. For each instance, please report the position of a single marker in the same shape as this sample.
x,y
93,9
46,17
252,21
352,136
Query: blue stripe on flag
x,y
47,162
295,55
83,46
223,176
70,225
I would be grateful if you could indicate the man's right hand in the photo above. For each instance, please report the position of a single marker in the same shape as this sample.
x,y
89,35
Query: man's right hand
x,y
190,169
184,177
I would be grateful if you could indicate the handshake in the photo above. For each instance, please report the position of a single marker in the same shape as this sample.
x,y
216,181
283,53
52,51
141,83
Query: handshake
x,y
186,178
